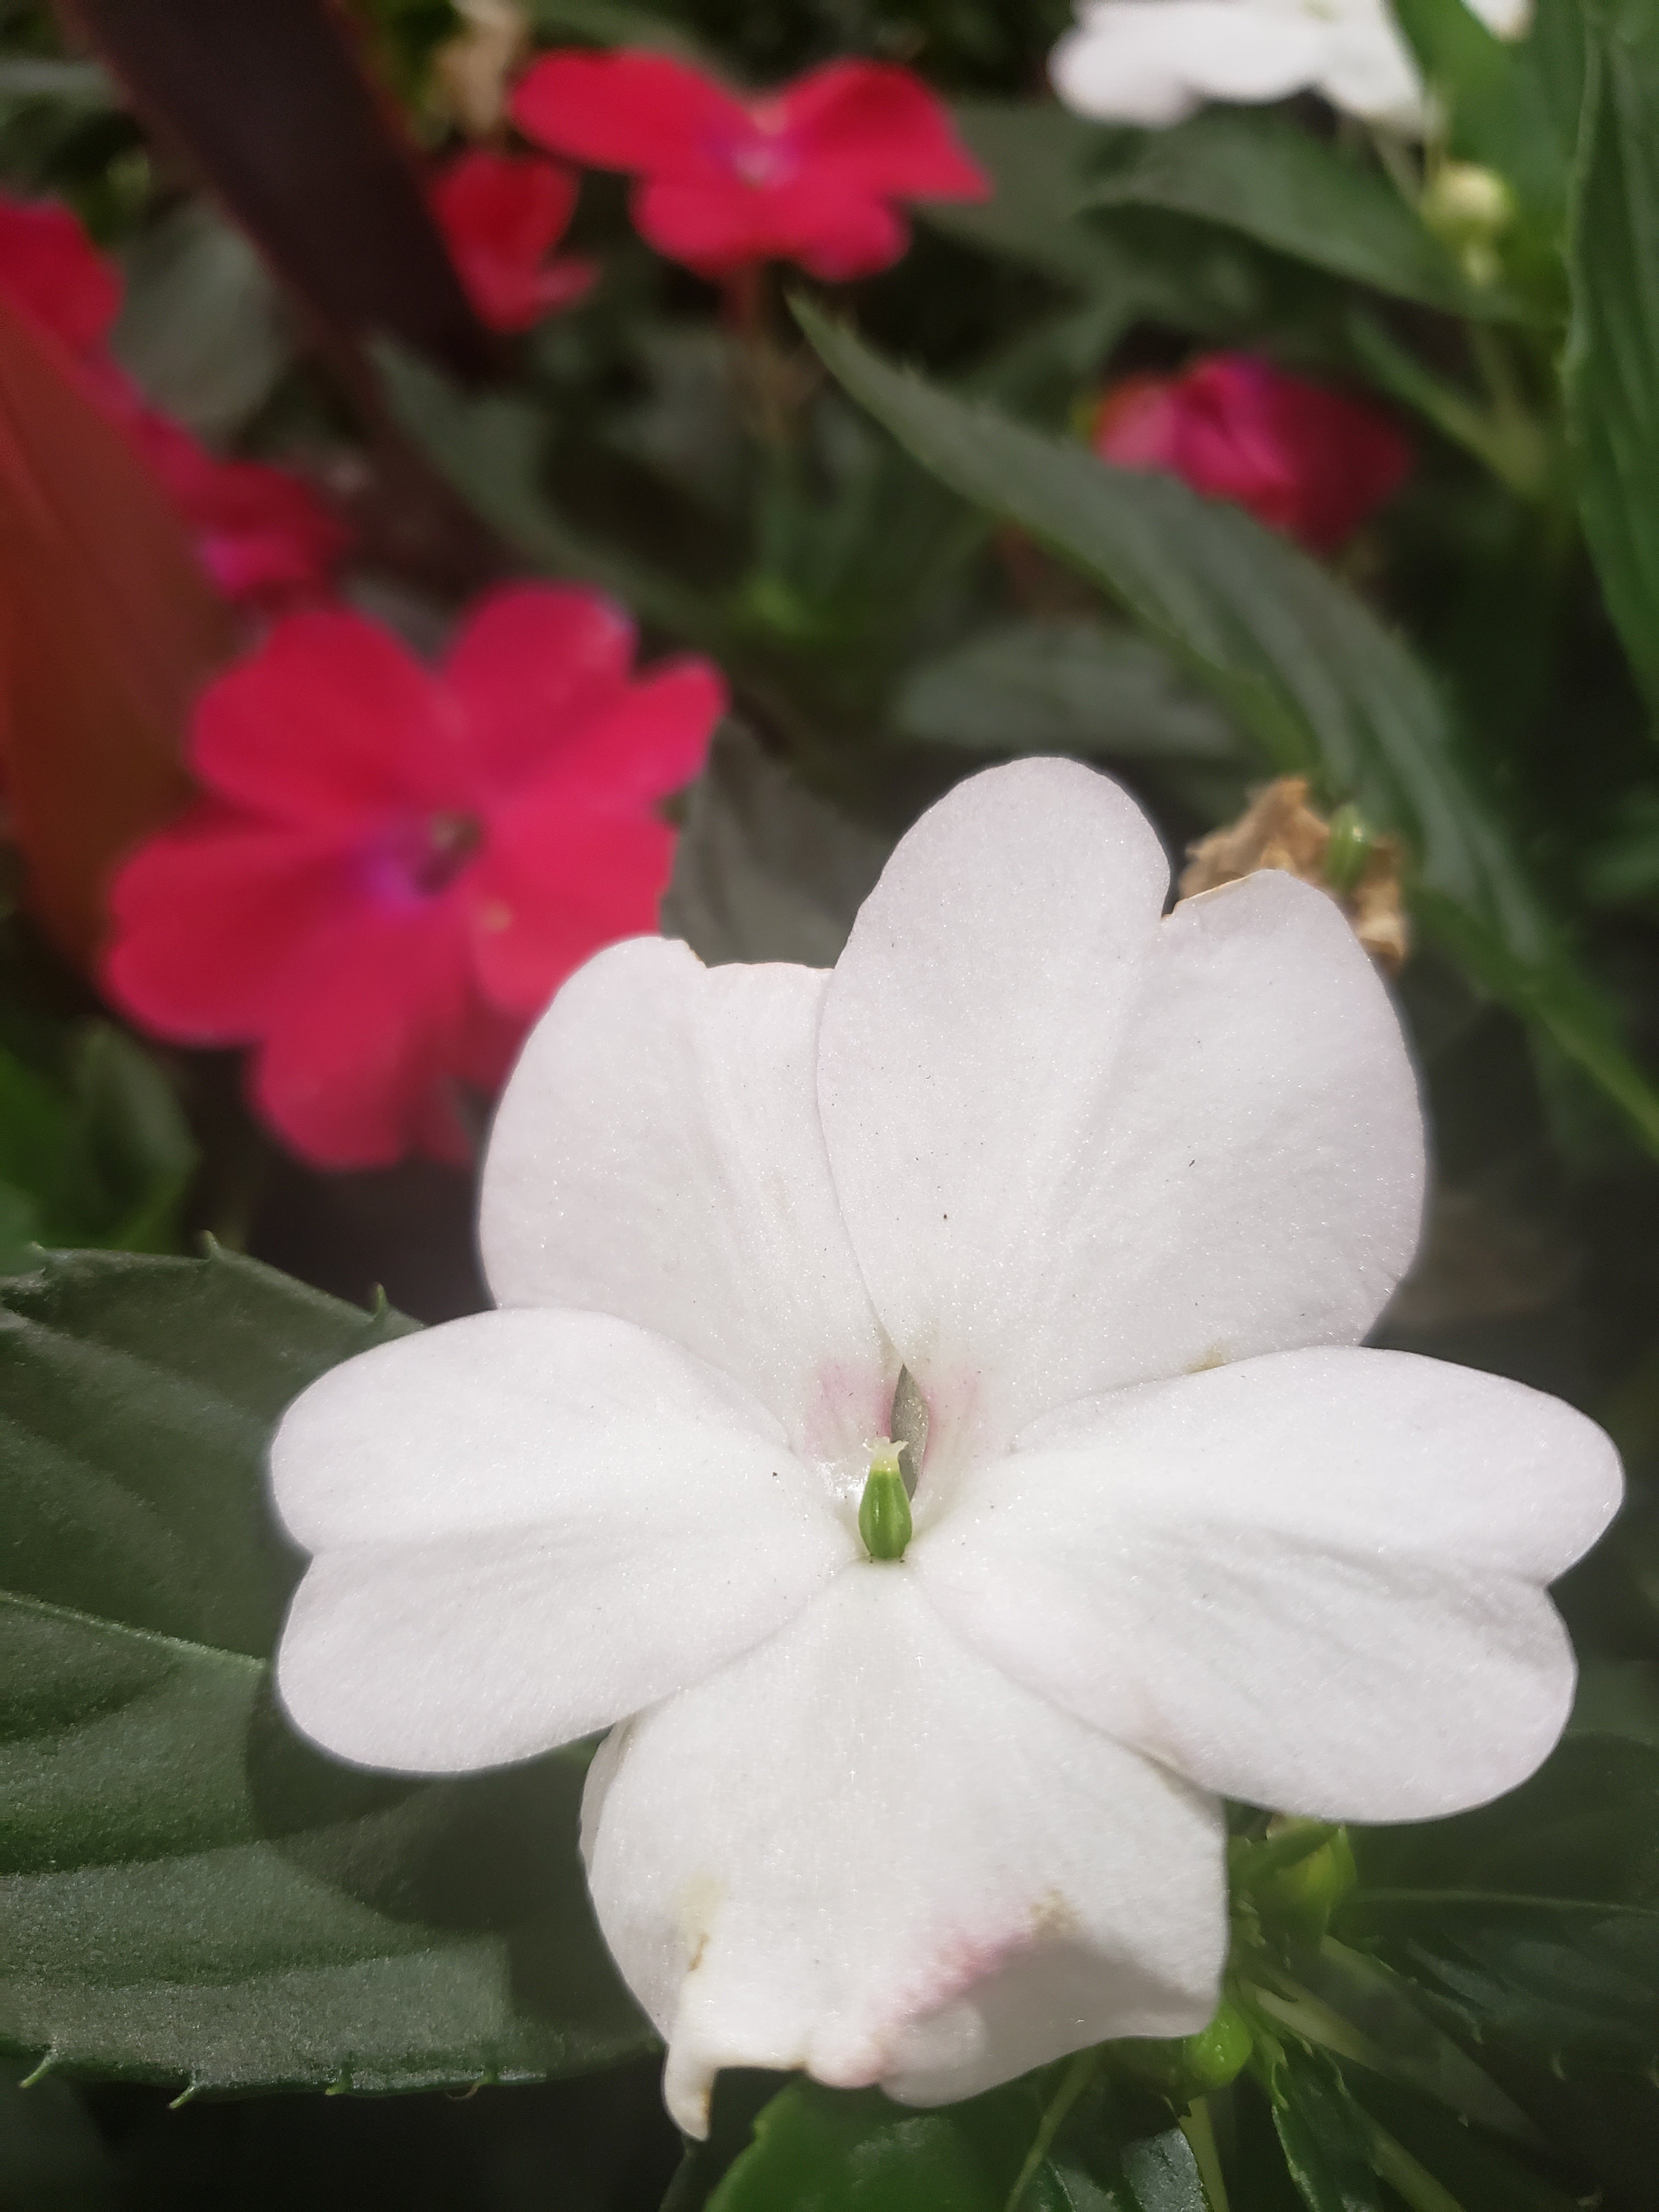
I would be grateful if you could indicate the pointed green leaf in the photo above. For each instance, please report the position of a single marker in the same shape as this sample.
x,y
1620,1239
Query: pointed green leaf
x,y
1301,196
1612,368
1533,1921
188,1892
1294,658
1060,684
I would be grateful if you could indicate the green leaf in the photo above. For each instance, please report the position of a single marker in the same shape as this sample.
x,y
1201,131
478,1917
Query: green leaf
x,y
96,1150
1040,157
489,449
764,869
1138,264
1060,684
1054,2141
52,2158
1611,374
1327,2146
190,1892
1618,1696
827,2150
1293,659
617,23
1481,2175
1300,196
1496,95
1535,1920
202,331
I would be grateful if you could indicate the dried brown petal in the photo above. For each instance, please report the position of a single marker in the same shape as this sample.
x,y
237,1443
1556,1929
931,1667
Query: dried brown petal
x,y
1279,830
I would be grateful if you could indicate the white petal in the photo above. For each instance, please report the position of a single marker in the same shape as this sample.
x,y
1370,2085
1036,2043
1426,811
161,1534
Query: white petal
x,y
1153,62
1368,70
1510,18
526,1526
1313,1581
1077,1148
862,1850
657,1155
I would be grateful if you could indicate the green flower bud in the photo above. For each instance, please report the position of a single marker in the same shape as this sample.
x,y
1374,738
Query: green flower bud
x,y
885,1508
1219,2053
1470,209
1349,849
1301,1897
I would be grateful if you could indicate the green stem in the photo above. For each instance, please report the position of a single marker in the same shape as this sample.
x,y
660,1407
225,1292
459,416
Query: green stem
x,y
1396,2166
1199,2130
1075,2080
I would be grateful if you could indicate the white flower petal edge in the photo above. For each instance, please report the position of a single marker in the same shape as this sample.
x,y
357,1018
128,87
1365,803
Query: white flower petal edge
x,y
1078,1146
526,1526
1153,61
657,1155
1313,1581
861,1849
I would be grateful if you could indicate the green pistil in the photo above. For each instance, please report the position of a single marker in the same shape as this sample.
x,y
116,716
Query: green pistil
x,y
885,1509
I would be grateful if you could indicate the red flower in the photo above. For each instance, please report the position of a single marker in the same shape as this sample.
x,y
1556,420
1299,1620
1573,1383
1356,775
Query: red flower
x,y
807,174
262,535
1303,459
501,217
393,868
265,538
51,270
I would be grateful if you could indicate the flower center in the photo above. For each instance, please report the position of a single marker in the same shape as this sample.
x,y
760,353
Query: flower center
x,y
885,1508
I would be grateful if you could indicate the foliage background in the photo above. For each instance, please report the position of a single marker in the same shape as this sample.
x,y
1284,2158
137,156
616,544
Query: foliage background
x,y
895,606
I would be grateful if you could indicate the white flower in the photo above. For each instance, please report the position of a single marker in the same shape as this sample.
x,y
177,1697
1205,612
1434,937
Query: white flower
x,y
1122,1193
1153,62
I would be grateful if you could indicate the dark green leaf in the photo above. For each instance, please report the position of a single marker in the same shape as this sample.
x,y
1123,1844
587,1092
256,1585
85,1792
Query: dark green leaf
x,y
1062,683
1139,263
618,23
1327,2146
202,331
1495,95
97,1148
489,449
1481,2175
827,2150
187,1891
764,869
1299,195
1617,1697
1039,158
52,2158
1365,2013
1611,367
1536,1920
1293,659
1092,2161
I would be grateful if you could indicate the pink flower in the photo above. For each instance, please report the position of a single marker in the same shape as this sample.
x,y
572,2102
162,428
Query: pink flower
x,y
500,216
393,868
1303,459
264,536
51,270
809,174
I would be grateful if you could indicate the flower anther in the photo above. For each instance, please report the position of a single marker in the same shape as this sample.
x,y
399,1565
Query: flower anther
x,y
1119,1192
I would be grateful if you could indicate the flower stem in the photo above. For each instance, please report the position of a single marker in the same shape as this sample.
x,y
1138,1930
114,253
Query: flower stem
x,y
1075,2080
1199,2131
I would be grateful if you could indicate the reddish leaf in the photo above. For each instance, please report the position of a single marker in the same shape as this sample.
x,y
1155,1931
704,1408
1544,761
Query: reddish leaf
x,y
107,626
268,100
